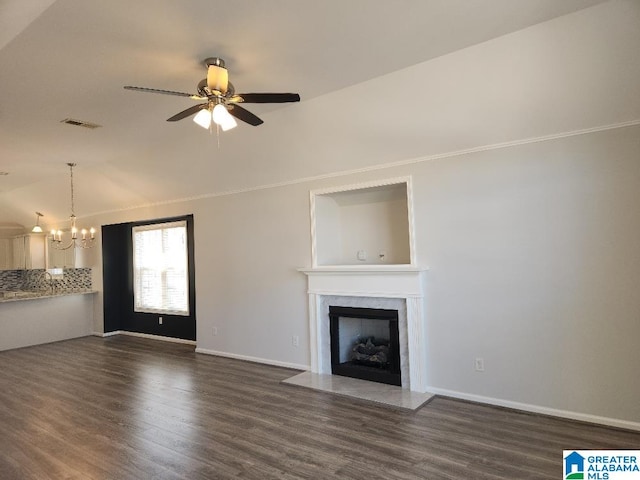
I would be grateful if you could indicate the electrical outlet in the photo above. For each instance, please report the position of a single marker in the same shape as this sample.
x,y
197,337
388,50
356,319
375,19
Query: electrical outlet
x,y
479,364
295,341
159,320
215,331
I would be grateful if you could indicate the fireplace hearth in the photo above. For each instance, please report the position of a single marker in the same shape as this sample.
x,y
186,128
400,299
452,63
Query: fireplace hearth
x,y
365,344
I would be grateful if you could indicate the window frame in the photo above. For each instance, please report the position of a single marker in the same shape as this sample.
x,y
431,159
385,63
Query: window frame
x,y
162,226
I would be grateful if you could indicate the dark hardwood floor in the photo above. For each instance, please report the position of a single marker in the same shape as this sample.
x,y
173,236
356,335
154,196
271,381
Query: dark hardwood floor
x,y
131,408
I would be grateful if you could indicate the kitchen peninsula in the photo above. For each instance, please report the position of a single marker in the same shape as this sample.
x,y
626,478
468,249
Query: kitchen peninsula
x,y
36,315
46,318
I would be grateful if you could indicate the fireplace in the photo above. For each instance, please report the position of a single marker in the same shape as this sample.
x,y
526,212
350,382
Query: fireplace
x,y
365,344
387,287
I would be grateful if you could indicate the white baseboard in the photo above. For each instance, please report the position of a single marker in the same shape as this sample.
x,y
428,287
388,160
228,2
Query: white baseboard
x,y
266,361
553,412
145,335
582,417
107,334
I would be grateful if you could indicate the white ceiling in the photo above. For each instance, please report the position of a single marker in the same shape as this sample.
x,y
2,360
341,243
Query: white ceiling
x,y
351,61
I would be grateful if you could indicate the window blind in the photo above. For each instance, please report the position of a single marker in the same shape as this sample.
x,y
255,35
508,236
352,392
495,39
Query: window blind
x,y
160,268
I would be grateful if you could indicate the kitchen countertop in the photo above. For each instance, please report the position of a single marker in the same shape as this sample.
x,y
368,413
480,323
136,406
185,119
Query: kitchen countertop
x,y
29,295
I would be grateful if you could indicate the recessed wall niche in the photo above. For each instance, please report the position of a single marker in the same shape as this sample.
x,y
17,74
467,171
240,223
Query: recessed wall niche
x,y
364,224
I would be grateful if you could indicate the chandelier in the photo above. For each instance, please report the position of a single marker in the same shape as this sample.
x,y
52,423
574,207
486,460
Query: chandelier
x,y
88,236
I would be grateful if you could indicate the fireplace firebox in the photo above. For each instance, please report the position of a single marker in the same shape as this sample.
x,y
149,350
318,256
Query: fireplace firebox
x,y
365,344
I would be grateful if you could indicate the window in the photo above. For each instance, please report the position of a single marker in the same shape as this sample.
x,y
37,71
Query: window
x,y
160,271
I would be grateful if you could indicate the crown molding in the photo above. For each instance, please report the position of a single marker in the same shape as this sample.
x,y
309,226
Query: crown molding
x,y
384,166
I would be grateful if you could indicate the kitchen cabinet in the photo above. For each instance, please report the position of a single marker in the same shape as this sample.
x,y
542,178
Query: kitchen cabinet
x,y
6,253
28,251
61,258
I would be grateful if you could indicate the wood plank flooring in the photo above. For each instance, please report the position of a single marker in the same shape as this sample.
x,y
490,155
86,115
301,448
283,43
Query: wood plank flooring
x,y
130,408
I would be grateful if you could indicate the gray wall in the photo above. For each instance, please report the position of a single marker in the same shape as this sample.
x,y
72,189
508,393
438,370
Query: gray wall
x,y
532,245
533,264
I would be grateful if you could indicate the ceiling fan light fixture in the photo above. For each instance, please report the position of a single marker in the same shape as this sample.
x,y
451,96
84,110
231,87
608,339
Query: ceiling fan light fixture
x,y
217,75
203,118
222,117
229,124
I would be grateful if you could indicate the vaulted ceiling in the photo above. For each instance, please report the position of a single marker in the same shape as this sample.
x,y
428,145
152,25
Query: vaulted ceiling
x,y
380,81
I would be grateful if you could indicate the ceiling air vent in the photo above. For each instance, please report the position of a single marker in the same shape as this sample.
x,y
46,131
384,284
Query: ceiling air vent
x,y
80,123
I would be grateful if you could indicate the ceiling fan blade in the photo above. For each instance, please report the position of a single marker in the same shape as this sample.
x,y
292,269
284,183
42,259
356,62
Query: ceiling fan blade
x,y
268,97
164,92
244,115
189,111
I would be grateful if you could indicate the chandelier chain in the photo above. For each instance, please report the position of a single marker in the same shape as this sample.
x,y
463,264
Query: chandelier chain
x,y
71,165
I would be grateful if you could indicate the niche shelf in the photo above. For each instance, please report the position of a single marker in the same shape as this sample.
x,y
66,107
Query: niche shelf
x,y
368,225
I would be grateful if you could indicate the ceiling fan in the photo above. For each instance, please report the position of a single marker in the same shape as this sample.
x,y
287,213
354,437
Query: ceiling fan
x,y
221,102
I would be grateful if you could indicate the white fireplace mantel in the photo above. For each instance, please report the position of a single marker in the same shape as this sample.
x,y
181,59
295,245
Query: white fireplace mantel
x,y
392,281
373,281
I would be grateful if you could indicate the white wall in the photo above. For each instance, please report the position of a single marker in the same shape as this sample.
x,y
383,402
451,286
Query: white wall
x,y
248,247
534,266
369,224
533,248
376,228
329,249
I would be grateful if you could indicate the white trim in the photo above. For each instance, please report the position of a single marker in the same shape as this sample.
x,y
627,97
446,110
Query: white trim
x,y
315,353
312,218
416,344
107,334
159,226
377,282
146,335
354,187
553,412
344,173
410,220
246,358
362,185
359,269
368,293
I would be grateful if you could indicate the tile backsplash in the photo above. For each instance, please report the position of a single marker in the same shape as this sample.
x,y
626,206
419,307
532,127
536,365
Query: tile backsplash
x,y
73,279
11,279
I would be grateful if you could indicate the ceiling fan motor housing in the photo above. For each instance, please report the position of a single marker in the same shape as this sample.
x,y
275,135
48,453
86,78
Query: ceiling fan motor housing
x,y
218,62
